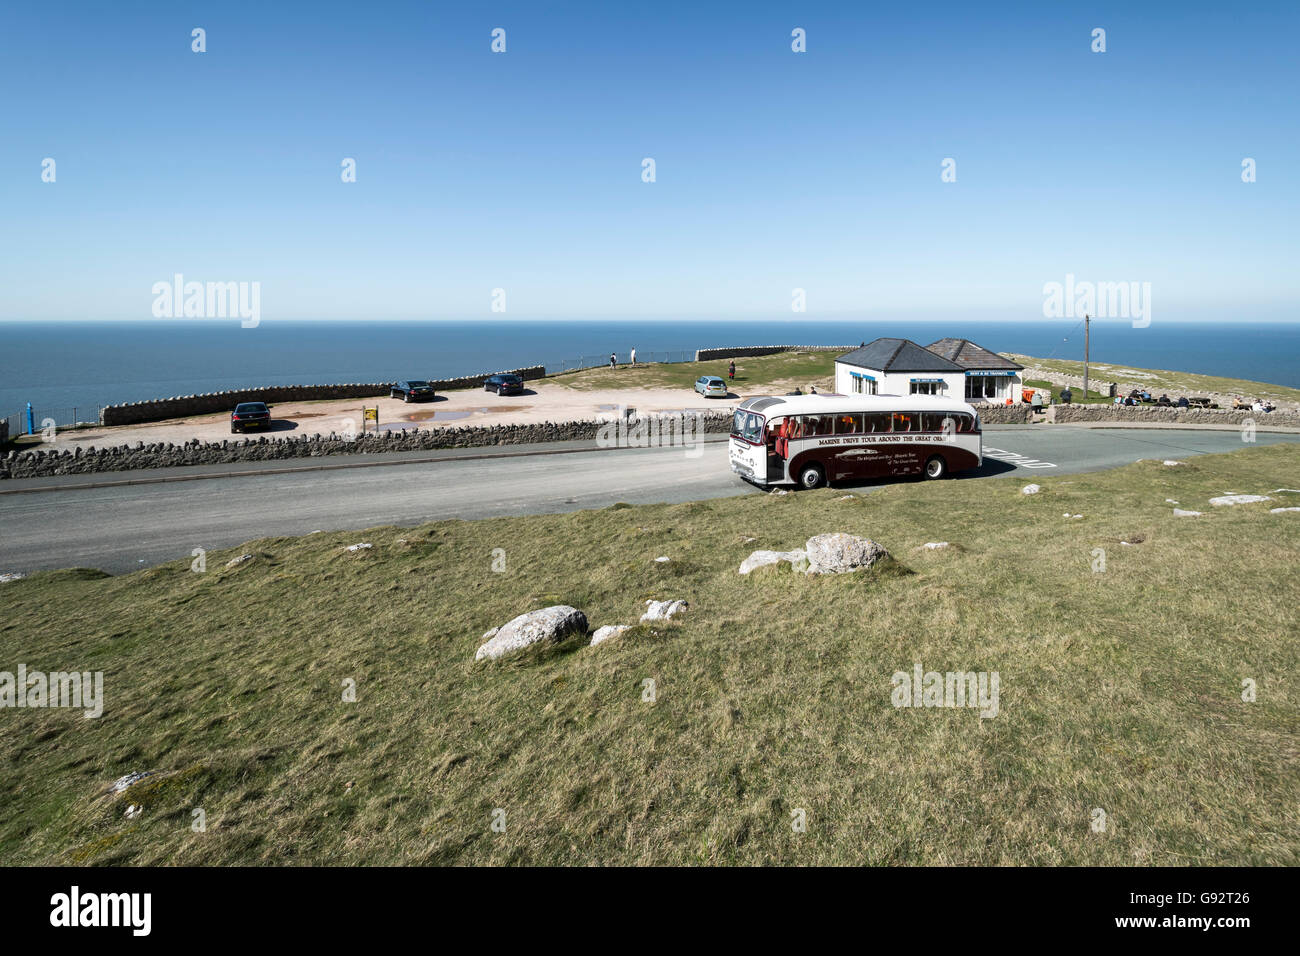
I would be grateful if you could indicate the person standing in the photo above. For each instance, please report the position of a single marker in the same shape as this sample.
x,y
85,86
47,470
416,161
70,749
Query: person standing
x,y
731,371
613,361
634,356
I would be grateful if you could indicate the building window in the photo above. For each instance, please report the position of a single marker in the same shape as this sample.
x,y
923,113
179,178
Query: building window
x,y
863,385
985,387
925,388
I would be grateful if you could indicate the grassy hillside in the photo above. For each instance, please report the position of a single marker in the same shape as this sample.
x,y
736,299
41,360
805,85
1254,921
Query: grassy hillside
x,y
1120,690
783,370
1163,380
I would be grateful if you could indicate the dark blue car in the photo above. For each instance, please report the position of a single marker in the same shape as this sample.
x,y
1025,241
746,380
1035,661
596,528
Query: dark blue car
x,y
504,384
412,391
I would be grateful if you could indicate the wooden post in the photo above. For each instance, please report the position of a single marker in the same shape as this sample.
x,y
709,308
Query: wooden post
x,y
1085,357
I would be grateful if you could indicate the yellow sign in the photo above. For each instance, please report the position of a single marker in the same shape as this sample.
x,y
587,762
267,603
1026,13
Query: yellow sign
x,y
372,414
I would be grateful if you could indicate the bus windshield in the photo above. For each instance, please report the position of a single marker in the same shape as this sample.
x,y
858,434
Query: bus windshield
x,y
747,425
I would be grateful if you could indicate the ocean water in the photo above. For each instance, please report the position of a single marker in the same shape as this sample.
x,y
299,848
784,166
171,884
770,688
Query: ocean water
x,y
60,365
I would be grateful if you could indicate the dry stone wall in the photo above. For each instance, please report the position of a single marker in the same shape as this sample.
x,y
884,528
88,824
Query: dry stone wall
x,y
183,406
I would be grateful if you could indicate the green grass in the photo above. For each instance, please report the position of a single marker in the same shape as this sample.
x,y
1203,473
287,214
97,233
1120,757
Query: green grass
x,y
1076,394
1162,380
784,369
1119,690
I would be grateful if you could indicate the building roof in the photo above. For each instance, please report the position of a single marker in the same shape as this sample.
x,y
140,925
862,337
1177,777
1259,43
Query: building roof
x,y
969,355
898,355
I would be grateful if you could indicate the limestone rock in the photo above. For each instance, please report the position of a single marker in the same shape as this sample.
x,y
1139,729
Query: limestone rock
x,y
839,553
548,624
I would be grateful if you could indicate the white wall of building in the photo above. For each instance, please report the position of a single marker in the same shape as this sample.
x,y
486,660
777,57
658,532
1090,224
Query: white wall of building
x,y
952,384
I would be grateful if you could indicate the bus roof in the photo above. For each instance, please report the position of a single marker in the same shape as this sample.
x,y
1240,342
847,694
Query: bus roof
x,y
830,404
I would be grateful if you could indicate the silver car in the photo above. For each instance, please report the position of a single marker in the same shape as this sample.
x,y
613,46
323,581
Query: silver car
x,y
711,386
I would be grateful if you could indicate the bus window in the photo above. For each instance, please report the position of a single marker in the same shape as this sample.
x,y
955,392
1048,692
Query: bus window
x,y
905,421
818,425
877,422
753,428
933,421
849,423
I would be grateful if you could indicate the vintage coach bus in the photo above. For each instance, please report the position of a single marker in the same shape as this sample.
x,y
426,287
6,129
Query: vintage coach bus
x,y
810,440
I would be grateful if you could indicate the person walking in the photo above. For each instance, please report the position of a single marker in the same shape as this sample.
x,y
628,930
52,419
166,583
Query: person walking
x,y
731,372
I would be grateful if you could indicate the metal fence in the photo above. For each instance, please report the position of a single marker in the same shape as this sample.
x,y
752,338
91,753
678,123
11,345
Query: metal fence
x,y
622,358
42,418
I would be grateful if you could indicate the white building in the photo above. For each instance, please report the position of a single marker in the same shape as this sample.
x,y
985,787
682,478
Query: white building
x,y
951,368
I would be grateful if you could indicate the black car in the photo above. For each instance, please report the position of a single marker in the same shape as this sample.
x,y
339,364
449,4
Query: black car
x,y
504,384
414,391
250,415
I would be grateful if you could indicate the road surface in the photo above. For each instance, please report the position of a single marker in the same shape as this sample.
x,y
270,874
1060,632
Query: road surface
x,y
57,523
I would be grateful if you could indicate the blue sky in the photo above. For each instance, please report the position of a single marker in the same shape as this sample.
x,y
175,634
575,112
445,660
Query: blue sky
x,y
775,170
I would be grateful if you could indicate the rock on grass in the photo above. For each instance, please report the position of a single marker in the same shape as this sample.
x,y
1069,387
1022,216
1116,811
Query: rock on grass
x,y
546,625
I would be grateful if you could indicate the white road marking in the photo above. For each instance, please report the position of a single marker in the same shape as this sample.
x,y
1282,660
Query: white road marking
x,y
1014,458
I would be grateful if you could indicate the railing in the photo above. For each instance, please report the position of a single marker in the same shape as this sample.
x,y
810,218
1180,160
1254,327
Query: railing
x,y
41,418
643,357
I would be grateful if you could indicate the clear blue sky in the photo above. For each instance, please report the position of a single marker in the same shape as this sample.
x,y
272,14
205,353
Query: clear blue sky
x,y
522,170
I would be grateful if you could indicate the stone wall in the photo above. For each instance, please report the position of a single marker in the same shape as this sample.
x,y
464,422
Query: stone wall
x,y
1099,383
1004,414
183,406
706,355
1184,416
54,461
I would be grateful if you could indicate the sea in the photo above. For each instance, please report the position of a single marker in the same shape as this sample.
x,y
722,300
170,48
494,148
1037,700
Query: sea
x,y
69,369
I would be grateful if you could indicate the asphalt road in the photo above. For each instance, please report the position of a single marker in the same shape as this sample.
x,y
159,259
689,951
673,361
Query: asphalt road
x,y
56,523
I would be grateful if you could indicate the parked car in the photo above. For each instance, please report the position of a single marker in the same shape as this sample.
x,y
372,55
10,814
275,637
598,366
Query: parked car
x,y
504,384
413,391
250,415
711,385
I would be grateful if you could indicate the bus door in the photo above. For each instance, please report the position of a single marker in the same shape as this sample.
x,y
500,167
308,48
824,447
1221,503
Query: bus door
x,y
778,448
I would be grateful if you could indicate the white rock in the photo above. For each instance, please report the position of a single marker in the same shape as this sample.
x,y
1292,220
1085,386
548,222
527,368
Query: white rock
x,y
1278,511
7,576
1238,499
663,560
760,559
1289,491
778,491
1180,513
935,545
608,631
845,498
133,811
121,783
1170,501
1068,515
1170,462
239,560
547,624
363,546
1030,490
839,553
662,610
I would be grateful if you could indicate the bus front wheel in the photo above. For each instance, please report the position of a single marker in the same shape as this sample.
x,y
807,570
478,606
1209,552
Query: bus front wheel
x,y
936,467
812,477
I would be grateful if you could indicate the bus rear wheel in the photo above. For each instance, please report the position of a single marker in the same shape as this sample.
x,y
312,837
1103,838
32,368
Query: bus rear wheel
x,y
936,467
811,476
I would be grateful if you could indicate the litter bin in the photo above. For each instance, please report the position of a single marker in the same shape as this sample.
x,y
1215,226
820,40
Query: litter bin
x,y
1113,390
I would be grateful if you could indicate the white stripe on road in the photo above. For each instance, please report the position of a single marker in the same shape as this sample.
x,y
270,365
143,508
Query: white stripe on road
x,y
1015,458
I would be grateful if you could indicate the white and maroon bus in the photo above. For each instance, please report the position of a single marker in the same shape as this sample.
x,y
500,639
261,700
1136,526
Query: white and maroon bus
x,y
810,440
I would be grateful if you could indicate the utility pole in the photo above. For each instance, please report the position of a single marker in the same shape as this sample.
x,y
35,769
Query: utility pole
x,y
1085,357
